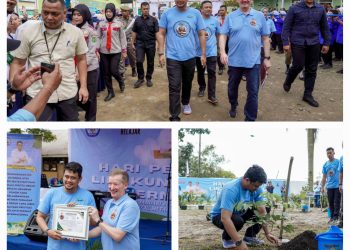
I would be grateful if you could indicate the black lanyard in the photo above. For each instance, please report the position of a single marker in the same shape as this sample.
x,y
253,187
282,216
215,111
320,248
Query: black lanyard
x,y
47,46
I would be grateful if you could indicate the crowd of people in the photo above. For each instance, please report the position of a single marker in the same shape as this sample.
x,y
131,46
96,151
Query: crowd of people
x,y
87,53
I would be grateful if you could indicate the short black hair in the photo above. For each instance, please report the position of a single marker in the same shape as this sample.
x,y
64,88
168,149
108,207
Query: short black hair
x,y
19,142
223,6
204,2
144,4
75,167
256,174
330,148
55,1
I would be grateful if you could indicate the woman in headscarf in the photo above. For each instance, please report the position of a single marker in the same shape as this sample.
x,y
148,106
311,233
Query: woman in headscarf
x,y
81,17
112,47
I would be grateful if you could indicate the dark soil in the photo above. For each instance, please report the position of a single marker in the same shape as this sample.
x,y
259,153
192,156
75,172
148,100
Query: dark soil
x,y
304,241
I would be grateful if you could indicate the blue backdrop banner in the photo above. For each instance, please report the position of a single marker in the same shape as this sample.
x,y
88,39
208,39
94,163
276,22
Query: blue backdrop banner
x,y
23,179
144,153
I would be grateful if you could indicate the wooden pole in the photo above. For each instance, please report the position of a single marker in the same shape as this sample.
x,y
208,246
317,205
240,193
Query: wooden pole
x,y
286,194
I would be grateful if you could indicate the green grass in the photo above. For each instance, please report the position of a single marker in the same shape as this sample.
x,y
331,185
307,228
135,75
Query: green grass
x,y
149,216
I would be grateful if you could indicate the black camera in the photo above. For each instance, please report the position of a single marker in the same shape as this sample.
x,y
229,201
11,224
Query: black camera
x,y
47,67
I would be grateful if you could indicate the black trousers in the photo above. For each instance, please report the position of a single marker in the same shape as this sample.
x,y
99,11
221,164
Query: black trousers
x,y
90,107
279,42
211,69
180,75
304,56
273,41
140,58
221,66
66,110
334,201
327,58
238,222
110,64
338,50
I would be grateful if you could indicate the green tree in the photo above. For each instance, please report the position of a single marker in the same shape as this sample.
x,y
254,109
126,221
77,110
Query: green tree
x,y
46,135
185,154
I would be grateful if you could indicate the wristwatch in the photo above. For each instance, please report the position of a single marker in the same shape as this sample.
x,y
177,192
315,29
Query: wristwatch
x,y
238,243
267,57
160,54
99,221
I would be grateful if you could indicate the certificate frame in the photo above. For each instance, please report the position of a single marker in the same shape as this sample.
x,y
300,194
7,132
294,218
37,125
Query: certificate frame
x,y
72,222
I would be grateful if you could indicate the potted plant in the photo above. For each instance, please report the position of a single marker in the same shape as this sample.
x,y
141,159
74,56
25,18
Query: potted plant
x,y
183,200
201,201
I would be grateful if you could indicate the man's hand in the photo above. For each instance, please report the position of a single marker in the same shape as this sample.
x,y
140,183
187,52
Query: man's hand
x,y
267,64
11,4
73,240
340,188
52,80
223,58
98,56
83,95
323,190
324,49
93,212
25,78
54,234
273,239
203,60
124,55
286,48
162,60
243,246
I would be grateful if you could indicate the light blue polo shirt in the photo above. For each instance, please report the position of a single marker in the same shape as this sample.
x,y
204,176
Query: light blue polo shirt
x,y
331,170
271,25
124,214
59,196
244,32
212,27
232,194
340,168
181,32
21,115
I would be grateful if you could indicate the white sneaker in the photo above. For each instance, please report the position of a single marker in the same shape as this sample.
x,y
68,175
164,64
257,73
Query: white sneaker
x,y
252,241
228,243
187,109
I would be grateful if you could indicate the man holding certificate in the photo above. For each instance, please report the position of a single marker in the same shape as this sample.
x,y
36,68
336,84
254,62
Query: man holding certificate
x,y
72,195
119,224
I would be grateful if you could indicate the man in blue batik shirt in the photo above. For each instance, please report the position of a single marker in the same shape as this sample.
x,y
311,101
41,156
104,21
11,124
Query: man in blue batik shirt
x,y
70,194
211,30
330,178
245,28
300,35
184,29
228,213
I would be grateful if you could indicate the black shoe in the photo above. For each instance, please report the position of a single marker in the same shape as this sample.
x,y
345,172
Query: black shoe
x,y
233,112
138,83
174,119
133,74
340,71
327,66
200,93
213,100
311,101
109,96
149,83
286,87
122,88
221,71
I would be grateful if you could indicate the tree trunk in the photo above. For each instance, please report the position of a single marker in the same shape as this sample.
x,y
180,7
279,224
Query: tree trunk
x,y
311,137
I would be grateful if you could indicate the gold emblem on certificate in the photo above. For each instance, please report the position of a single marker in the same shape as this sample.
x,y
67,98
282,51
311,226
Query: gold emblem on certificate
x,y
73,222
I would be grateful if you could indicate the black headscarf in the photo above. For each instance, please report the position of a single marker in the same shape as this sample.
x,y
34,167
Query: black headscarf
x,y
111,7
85,13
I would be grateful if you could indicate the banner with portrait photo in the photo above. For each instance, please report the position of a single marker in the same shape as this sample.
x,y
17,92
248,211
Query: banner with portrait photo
x,y
144,153
23,179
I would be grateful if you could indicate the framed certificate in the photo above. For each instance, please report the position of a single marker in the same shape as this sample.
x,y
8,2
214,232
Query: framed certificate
x,y
73,222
